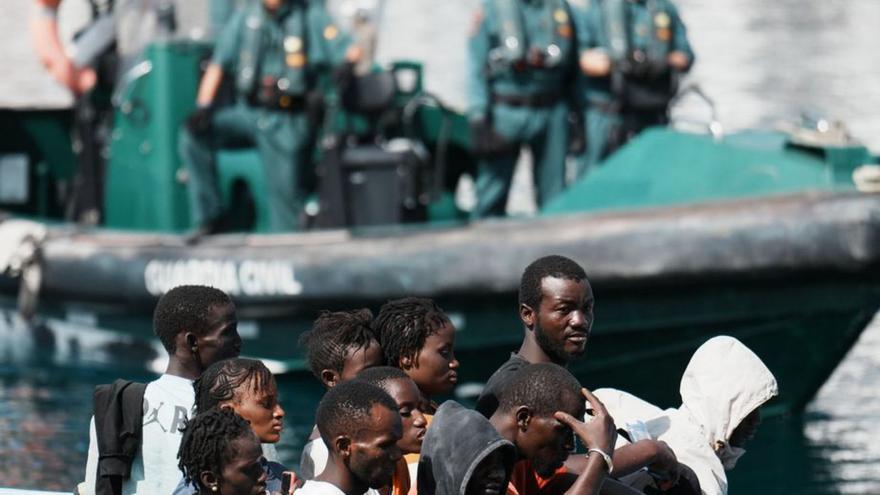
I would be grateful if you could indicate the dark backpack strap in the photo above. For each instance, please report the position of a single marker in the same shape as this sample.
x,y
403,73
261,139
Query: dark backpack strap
x,y
119,412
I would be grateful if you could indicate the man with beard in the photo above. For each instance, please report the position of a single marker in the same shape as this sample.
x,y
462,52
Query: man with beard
x,y
360,425
537,413
556,308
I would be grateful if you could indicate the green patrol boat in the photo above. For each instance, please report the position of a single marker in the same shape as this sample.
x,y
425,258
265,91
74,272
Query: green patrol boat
x,y
762,235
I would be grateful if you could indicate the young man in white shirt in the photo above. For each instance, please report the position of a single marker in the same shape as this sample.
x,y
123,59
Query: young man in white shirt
x,y
360,426
198,327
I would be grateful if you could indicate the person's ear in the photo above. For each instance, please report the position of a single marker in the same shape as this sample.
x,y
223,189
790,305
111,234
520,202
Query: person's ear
x,y
330,378
210,481
523,417
226,406
405,363
527,315
343,445
192,342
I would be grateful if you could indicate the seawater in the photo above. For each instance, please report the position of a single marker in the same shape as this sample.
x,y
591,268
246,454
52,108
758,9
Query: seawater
x,y
830,449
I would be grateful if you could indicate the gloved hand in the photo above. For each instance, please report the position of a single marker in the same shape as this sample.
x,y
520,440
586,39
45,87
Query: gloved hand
x,y
199,121
577,133
343,77
485,140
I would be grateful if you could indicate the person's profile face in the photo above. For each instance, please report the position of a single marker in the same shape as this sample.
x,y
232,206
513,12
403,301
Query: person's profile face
x,y
746,429
273,5
408,398
564,318
551,443
243,473
358,359
221,341
490,477
434,368
261,409
374,450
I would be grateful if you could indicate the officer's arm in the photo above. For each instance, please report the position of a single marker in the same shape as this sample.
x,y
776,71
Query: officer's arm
x,y
47,42
593,60
209,85
682,56
335,46
222,61
477,79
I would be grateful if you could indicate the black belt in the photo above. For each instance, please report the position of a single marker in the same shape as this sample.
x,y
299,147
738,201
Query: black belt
x,y
282,103
535,100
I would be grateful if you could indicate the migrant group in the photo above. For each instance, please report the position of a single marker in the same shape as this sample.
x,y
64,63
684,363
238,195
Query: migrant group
x,y
563,78
208,424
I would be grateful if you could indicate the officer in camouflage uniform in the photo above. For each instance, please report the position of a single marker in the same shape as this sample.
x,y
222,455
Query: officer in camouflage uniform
x,y
522,59
274,50
631,54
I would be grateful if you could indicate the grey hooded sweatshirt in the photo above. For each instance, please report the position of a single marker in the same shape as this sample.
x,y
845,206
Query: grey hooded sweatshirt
x,y
457,440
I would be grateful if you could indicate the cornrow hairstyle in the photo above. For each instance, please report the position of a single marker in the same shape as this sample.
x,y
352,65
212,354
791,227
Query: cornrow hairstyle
x,y
332,335
404,324
207,442
185,308
549,266
380,376
544,388
347,408
223,381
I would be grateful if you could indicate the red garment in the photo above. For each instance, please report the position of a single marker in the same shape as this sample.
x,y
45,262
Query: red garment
x,y
525,481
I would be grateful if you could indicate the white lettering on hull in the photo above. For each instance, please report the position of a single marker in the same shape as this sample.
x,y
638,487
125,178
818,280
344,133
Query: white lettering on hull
x,y
246,278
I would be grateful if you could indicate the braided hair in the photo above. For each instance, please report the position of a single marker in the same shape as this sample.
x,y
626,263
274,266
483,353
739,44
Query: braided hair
x,y
223,380
207,443
332,335
404,324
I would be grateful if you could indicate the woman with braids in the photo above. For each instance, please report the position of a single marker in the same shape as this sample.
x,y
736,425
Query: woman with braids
x,y
417,337
220,455
246,387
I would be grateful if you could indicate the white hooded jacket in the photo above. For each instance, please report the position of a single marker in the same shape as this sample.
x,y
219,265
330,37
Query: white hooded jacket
x,y
723,383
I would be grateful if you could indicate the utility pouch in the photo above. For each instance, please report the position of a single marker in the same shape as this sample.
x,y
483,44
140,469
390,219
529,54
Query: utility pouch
x,y
648,94
487,142
577,132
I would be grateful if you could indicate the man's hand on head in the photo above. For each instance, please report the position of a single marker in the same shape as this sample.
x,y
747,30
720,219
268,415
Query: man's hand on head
x,y
600,433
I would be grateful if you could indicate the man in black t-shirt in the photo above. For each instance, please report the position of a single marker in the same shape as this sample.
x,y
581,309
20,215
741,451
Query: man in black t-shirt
x,y
556,308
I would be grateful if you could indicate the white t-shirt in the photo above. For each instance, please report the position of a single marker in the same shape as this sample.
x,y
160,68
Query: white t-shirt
x,y
313,487
168,402
313,459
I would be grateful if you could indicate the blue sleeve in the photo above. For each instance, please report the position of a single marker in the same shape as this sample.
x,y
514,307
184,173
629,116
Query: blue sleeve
x,y
679,37
228,43
477,80
184,488
328,42
587,19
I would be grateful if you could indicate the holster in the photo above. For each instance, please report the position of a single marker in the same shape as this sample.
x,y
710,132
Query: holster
x,y
577,131
487,142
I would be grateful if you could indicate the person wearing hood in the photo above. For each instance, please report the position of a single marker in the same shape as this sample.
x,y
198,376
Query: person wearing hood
x,y
462,454
722,390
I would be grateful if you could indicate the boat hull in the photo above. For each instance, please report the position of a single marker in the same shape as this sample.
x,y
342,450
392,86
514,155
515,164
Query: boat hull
x,y
796,278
